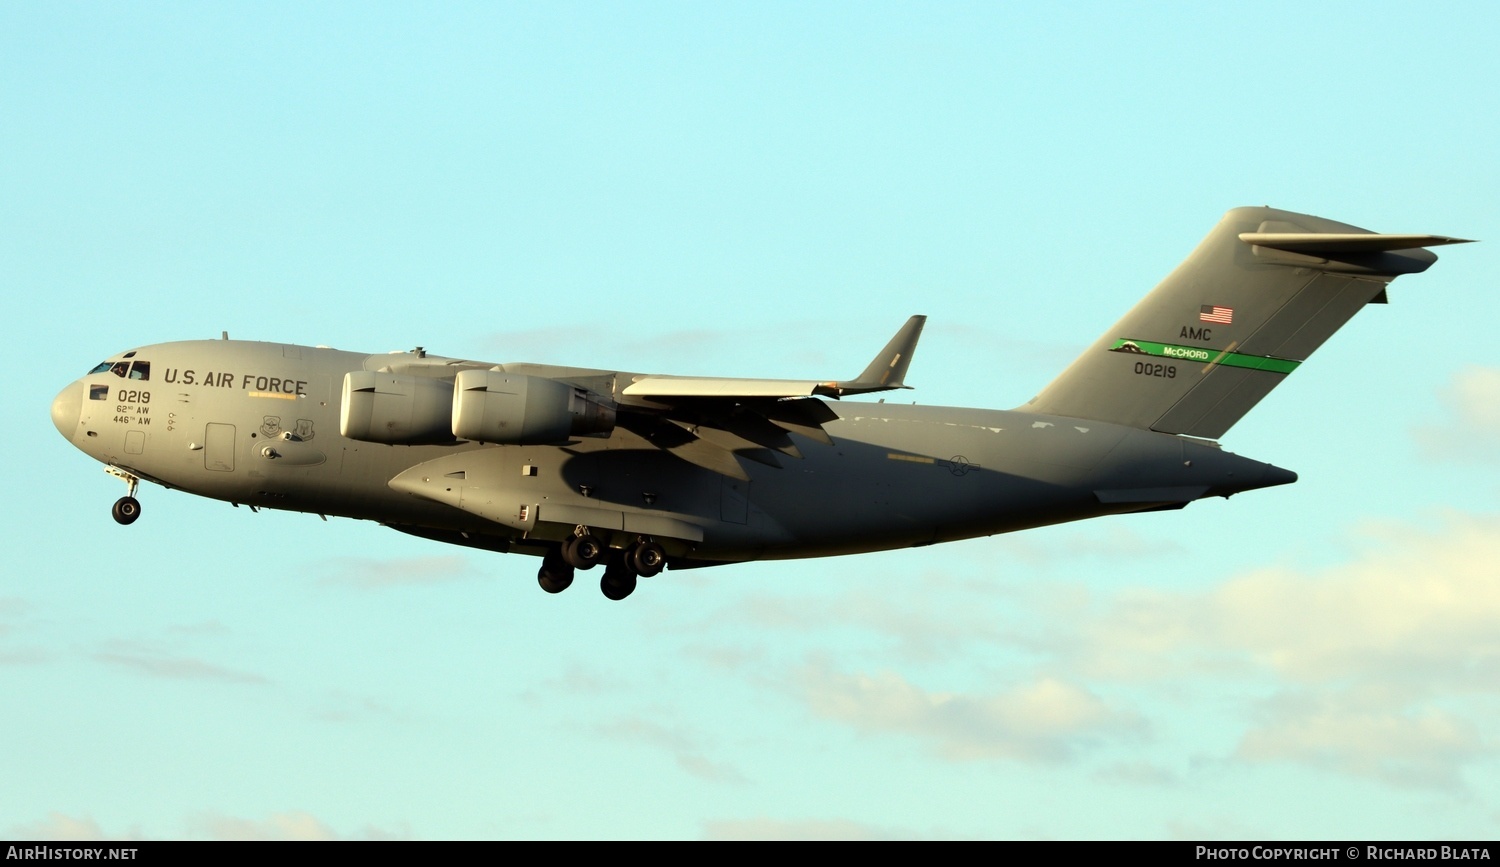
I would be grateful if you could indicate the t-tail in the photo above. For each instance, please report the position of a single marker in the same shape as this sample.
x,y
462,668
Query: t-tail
x,y
1252,302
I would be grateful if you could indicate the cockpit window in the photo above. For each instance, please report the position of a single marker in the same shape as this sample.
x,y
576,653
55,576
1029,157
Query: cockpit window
x,y
140,370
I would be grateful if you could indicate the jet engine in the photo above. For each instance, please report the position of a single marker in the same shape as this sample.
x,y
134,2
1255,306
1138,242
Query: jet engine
x,y
396,410
512,409
484,406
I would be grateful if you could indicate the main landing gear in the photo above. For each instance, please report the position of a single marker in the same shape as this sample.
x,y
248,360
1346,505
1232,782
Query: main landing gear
x,y
127,508
583,550
556,574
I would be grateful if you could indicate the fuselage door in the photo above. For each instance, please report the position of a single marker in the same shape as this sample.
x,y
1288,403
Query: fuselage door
x,y
218,448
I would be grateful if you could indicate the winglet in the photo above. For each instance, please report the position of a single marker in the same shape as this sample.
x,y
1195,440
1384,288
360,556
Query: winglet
x,y
888,369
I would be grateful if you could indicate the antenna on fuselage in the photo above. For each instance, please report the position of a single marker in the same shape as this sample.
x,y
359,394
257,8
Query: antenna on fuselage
x,y
226,334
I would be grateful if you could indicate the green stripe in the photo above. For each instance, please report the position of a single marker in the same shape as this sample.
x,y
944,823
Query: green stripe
x,y
1204,355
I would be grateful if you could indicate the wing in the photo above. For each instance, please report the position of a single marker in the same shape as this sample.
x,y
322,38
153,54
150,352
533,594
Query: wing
x,y
712,422
885,372
715,421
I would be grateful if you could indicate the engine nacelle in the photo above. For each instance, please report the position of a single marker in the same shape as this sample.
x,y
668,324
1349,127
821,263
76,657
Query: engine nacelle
x,y
512,409
396,410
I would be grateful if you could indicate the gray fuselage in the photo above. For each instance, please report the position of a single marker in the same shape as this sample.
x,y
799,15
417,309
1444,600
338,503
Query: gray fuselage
x,y
259,424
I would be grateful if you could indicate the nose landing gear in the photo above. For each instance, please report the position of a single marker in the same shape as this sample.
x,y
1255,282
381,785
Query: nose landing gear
x,y
127,508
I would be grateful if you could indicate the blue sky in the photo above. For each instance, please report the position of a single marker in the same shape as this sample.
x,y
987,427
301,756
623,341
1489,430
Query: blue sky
x,y
751,190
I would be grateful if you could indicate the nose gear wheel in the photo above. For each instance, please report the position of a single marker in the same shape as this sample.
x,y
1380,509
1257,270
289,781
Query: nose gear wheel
x,y
127,508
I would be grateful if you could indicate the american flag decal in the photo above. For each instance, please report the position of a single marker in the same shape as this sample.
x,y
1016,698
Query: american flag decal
x,y
1215,313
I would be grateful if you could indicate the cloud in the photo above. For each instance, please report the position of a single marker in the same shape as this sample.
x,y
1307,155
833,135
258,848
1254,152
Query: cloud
x,y
372,574
932,615
205,628
1471,433
1114,543
1216,828
1381,666
286,825
801,829
60,826
25,656
922,627
1378,662
159,663
338,706
916,617
680,744
14,608
1339,731
703,768
1047,719
1416,607
1139,774
576,679
291,825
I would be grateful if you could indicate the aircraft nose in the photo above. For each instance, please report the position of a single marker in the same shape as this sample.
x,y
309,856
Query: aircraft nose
x,y
67,409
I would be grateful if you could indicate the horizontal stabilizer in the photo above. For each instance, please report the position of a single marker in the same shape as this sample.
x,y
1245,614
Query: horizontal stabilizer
x,y
1279,241
1329,243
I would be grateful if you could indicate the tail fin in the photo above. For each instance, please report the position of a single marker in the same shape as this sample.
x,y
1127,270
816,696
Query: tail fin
x,y
1261,292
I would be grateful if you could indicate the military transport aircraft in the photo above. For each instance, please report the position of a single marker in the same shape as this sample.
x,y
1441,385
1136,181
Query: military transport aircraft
x,y
641,472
